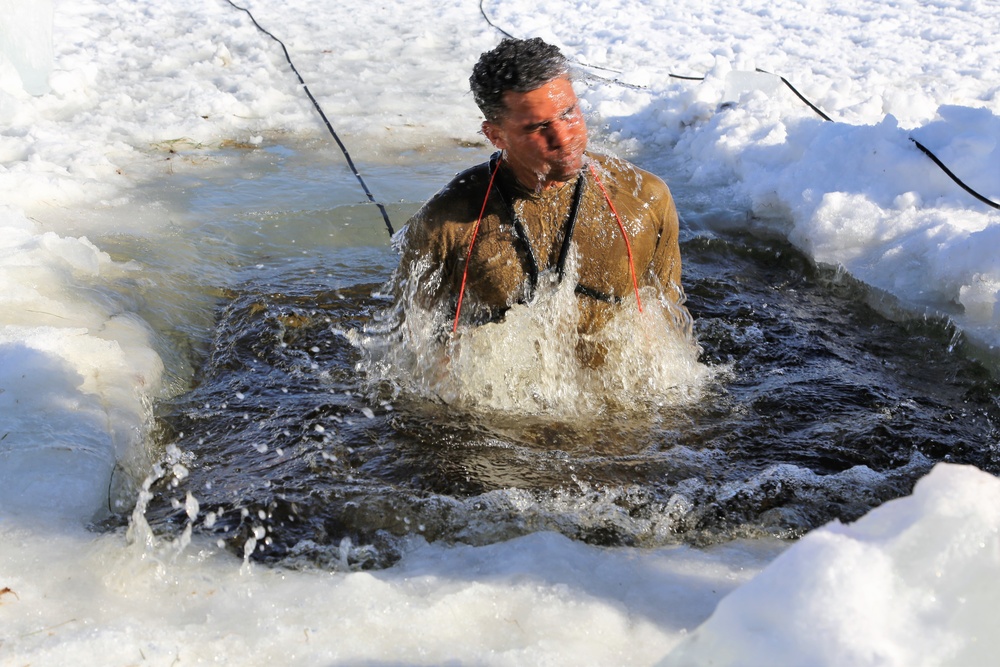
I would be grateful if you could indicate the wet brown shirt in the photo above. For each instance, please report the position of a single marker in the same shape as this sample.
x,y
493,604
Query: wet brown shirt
x,y
499,272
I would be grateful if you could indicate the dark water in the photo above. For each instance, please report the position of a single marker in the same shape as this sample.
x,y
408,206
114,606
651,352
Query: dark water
x,y
823,410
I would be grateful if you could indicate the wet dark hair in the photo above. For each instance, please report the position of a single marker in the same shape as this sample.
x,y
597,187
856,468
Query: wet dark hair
x,y
518,65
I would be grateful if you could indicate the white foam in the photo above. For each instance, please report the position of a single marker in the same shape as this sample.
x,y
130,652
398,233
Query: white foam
x,y
529,363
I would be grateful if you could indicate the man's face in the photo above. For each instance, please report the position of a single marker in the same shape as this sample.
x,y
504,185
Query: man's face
x,y
543,134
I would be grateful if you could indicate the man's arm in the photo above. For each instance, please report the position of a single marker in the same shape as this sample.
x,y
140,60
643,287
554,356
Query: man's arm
x,y
435,240
666,261
419,277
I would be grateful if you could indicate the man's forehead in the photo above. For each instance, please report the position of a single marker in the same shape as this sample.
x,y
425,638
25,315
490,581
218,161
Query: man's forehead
x,y
552,97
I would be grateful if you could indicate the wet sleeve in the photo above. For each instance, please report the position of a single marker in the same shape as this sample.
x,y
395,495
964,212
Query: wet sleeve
x,y
667,254
423,259
432,243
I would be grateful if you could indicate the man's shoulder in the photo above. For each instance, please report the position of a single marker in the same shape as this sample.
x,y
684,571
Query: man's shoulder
x,y
462,194
451,211
623,176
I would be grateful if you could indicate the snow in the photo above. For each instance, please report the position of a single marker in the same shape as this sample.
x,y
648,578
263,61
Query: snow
x,y
106,100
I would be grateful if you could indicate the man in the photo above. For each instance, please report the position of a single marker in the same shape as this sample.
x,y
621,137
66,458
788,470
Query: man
x,y
541,210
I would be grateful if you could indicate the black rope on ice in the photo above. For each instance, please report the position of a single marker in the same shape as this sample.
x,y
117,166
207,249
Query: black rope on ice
x,y
329,126
926,151
617,82
482,10
798,94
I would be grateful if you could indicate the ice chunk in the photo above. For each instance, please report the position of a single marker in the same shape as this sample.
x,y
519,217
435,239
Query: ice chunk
x,y
26,41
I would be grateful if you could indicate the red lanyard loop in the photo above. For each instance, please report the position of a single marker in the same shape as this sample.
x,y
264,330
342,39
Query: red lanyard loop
x,y
472,242
628,246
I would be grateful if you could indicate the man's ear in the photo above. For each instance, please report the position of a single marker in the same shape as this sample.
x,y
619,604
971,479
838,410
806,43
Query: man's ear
x,y
495,135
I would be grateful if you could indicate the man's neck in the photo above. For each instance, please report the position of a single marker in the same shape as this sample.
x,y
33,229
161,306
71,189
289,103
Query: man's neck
x,y
535,183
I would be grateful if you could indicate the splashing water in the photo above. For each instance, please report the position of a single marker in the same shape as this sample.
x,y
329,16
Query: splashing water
x,y
530,361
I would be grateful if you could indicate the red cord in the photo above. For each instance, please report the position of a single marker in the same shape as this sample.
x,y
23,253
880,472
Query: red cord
x,y
628,246
472,242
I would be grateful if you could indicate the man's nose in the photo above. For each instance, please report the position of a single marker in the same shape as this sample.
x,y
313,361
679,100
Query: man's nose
x,y
559,133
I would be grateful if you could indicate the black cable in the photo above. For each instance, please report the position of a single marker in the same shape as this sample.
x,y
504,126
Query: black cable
x,y
618,82
329,126
482,10
955,178
926,151
799,95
